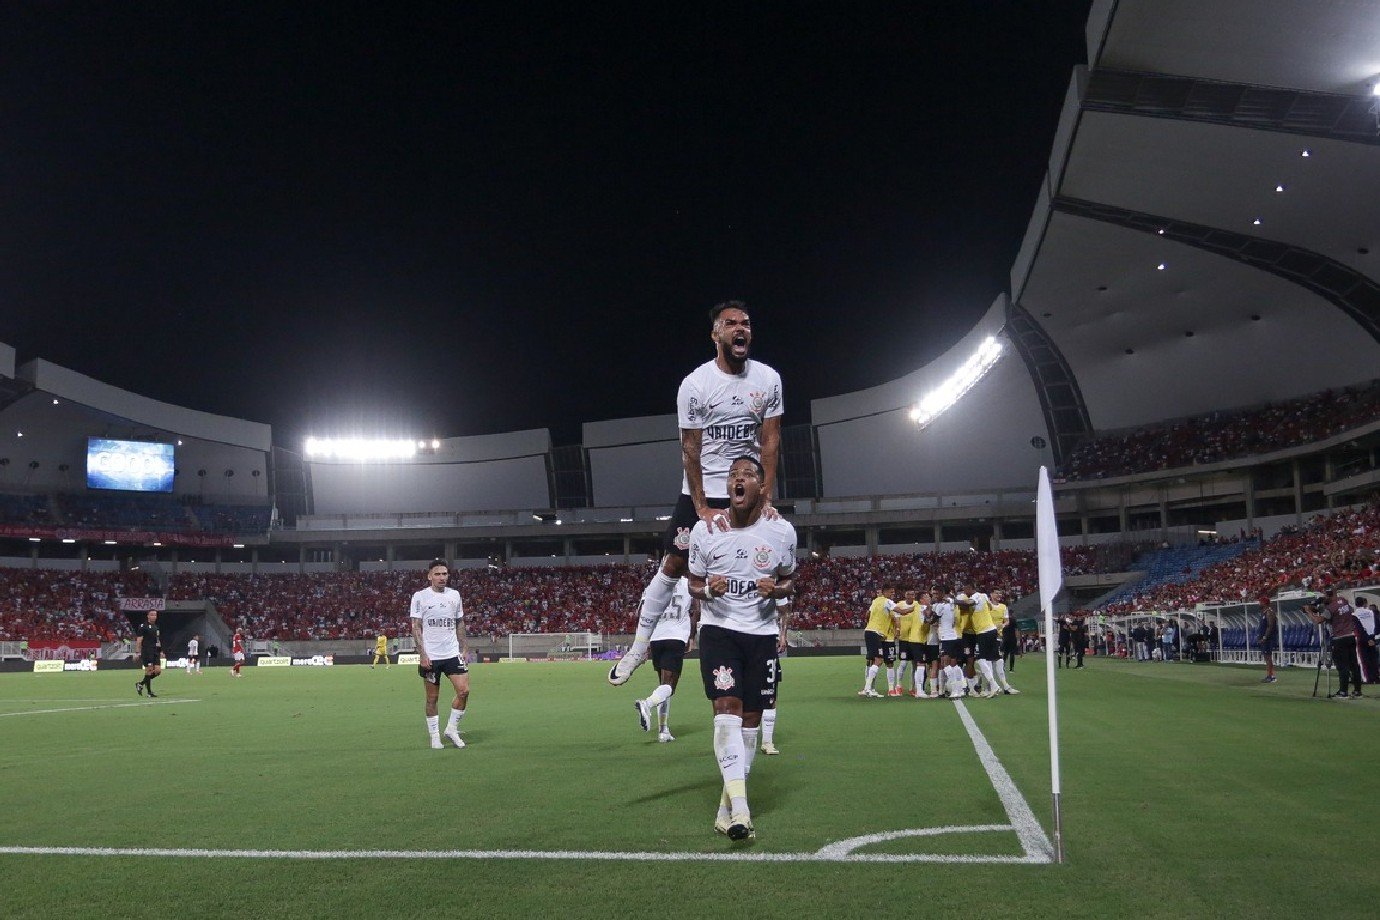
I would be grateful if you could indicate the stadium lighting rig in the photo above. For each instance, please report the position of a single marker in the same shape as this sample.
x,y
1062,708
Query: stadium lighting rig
x,y
361,449
960,382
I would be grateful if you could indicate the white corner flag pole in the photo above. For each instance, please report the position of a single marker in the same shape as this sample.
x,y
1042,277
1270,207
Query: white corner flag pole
x,y
1051,578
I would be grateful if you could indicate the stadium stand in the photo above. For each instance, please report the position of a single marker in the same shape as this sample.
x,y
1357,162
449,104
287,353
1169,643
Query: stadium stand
x,y
133,511
1220,436
40,604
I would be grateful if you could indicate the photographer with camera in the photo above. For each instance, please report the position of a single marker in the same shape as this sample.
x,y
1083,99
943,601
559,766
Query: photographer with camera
x,y
1337,615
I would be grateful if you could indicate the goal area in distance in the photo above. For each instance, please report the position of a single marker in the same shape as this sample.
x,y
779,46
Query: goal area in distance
x,y
571,645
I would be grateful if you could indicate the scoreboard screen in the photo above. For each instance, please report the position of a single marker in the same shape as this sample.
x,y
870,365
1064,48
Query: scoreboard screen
x,y
132,466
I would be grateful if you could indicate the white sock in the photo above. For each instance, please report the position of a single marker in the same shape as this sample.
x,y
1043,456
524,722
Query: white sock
x,y
890,679
664,712
749,749
871,677
919,680
655,598
1000,665
455,716
659,695
728,750
768,725
433,726
973,682
985,667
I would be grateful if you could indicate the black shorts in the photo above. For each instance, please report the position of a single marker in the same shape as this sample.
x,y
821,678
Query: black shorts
x,y
668,655
987,646
953,648
446,666
878,646
929,651
912,651
969,645
676,539
738,665
153,662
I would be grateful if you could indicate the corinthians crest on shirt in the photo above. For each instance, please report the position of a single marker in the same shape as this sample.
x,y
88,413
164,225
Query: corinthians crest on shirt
x,y
761,558
682,540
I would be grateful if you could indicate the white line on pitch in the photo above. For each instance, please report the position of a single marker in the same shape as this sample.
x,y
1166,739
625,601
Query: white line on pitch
x,y
1034,842
823,855
38,712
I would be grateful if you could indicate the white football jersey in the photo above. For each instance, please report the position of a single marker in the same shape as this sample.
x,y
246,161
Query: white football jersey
x,y
764,550
439,611
675,622
945,611
192,647
729,410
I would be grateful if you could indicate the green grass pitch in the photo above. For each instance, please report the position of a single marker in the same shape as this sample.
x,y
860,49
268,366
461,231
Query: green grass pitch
x,y
1189,791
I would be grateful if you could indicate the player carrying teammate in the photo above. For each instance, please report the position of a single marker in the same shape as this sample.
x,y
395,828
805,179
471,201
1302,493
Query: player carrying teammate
x,y
739,574
670,641
728,407
438,626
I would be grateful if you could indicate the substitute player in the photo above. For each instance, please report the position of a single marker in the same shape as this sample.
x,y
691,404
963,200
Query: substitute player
x,y
913,632
381,651
739,574
670,641
438,626
879,636
149,648
728,407
1006,628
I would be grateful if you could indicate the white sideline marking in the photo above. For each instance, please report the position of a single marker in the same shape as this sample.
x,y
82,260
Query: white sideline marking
x,y
1034,842
834,852
39,712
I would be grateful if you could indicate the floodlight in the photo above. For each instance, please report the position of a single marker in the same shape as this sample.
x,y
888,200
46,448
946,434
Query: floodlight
x,y
361,449
959,383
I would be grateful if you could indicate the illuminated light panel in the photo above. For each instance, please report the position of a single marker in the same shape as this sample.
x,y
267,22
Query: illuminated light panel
x,y
361,448
962,380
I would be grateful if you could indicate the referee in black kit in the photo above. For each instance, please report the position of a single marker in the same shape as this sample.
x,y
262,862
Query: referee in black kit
x,y
149,648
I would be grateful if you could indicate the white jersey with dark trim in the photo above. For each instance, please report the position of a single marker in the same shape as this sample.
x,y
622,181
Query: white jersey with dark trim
x,y
192,648
729,410
675,622
439,612
765,549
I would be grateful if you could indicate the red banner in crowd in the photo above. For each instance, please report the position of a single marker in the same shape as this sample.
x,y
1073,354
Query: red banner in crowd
x,y
142,537
70,649
143,603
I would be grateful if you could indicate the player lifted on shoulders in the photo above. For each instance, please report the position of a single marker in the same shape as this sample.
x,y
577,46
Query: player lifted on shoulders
x,y
438,626
739,574
670,641
728,407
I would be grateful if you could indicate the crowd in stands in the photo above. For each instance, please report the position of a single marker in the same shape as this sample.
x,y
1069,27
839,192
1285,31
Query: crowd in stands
x,y
38,604
1339,551
833,594
1225,435
133,511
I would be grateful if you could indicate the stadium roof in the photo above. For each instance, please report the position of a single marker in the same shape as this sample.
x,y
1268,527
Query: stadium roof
x,y
1145,288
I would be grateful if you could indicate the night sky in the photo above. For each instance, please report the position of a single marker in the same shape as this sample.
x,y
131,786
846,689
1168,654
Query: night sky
x,y
439,220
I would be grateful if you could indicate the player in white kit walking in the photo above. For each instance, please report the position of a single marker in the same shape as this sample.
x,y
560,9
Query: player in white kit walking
x,y
670,642
438,626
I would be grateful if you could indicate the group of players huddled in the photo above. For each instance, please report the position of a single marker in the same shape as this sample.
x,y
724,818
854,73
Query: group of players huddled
x,y
956,644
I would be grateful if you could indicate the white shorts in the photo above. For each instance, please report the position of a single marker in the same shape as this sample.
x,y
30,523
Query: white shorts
x,y
239,656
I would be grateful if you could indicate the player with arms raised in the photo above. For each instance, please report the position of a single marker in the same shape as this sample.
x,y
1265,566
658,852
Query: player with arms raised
x,y
438,626
728,407
739,574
